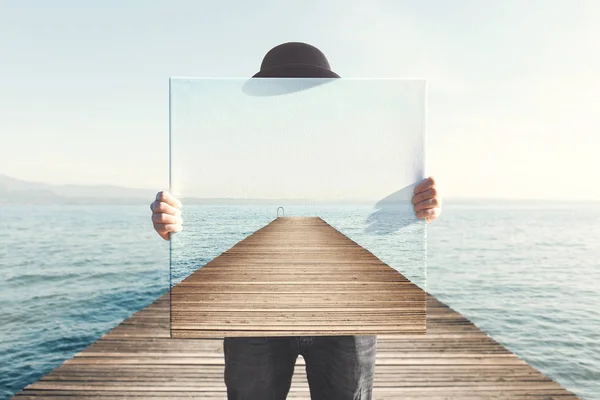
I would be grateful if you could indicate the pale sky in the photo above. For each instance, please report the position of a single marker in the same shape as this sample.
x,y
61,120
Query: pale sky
x,y
301,144
513,93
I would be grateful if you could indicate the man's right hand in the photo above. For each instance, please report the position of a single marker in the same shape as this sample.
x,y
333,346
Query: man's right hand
x,y
166,215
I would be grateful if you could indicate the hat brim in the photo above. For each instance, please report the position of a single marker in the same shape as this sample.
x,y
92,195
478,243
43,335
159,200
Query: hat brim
x,y
278,86
296,71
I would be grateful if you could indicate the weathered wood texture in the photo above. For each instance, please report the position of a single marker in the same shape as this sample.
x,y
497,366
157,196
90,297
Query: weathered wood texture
x,y
267,277
297,276
138,360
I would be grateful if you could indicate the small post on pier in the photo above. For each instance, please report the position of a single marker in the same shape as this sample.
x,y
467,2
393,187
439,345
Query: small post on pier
x,y
282,211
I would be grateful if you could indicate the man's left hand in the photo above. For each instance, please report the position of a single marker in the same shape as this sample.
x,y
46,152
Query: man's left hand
x,y
426,200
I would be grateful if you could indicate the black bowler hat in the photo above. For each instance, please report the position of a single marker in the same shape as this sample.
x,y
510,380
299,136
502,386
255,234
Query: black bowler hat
x,y
295,60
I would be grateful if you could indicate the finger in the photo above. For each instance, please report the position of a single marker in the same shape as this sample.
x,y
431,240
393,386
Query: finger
x,y
161,207
434,215
429,214
166,197
163,218
429,194
164,230
426,204
427,184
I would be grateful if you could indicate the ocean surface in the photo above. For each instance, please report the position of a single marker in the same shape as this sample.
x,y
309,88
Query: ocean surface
x,y
527,273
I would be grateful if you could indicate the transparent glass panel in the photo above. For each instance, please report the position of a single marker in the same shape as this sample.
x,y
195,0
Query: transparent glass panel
x,y
297,207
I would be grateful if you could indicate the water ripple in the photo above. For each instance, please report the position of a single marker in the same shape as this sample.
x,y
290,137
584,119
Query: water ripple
x,y
528,276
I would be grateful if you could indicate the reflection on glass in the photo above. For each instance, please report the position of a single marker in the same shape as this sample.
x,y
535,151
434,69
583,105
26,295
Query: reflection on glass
x,y
348,151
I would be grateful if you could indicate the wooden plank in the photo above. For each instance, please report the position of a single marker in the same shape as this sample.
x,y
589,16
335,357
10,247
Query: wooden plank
x,y
454,363
297,276
139,359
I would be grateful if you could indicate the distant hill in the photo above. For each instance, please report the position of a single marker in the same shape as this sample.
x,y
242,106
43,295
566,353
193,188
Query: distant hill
x,y
16,191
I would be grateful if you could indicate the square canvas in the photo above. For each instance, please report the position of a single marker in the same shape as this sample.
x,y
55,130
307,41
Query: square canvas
x,y
297,209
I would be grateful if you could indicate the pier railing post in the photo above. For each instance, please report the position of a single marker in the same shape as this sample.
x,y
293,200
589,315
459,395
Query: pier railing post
x,y
282,211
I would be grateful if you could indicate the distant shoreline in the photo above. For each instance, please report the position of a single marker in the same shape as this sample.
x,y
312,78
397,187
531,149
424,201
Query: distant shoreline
x,y
15,191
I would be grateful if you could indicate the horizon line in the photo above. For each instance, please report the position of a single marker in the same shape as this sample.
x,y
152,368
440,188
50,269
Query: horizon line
x,y
445,198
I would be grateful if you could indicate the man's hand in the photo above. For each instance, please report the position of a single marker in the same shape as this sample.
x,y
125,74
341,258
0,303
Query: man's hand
x,y
426,200
166,215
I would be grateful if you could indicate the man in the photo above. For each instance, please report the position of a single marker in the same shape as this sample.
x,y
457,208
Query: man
x,y
337,368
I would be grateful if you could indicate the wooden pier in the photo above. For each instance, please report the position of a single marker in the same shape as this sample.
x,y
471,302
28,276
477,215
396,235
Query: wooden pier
x,y
297,276
139,359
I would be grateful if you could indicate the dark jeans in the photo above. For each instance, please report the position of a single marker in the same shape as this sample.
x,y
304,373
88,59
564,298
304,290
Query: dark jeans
x,y
337,367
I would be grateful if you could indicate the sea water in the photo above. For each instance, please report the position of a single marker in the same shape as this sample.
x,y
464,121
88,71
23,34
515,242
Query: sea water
x,y
527,273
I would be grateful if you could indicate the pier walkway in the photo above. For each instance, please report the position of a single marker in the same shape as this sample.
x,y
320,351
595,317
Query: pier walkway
x,y
297,276
139,359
